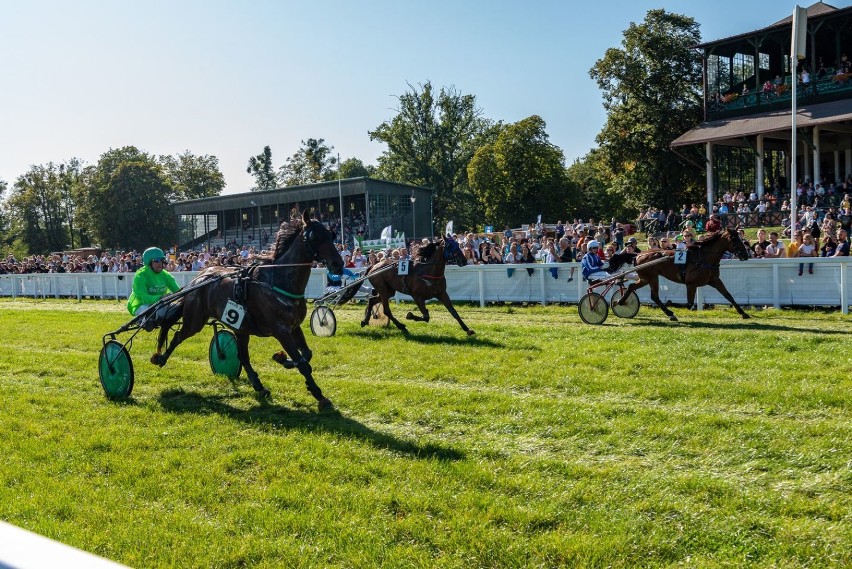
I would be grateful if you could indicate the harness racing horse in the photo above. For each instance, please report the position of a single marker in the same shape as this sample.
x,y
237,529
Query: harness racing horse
x,y
425,280
701,268
272,294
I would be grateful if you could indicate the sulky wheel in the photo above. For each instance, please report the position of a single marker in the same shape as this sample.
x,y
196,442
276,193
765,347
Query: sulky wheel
x,y
630,307
593,308
323,321
115,370
223,354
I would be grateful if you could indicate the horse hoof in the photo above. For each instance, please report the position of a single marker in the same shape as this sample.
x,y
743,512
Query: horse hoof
x,y
325,404
158,360
470,332
363,323
262,393
409,316
746,316
673,318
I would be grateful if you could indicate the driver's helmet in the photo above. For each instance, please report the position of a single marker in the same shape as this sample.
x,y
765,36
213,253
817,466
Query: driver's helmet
x,y
593,244
152,253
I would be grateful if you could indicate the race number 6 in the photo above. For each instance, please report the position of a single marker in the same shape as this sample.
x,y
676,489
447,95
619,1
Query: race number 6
x,y
233,315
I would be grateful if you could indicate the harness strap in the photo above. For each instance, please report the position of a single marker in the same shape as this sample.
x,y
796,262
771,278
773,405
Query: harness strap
x,y
284,292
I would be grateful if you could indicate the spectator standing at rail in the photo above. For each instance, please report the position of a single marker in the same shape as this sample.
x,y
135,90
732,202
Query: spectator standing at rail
x,y
842,249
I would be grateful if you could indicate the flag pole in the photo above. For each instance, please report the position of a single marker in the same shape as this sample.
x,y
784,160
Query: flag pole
x,y
340,194
798,44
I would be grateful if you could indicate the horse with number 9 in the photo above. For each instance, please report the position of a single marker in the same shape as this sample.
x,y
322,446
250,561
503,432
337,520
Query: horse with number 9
x,y
272,301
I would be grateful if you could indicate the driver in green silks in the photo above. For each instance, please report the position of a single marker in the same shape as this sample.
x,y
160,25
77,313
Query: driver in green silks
x,y
150,284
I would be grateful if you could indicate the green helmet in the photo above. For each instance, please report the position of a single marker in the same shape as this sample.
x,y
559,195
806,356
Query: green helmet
x,y
152,253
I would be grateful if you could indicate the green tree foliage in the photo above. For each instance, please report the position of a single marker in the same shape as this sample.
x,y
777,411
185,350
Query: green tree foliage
x,y
431,141
651,90
261,168
520,175
313,162
192,176
125,201
352,168
40,208
591,180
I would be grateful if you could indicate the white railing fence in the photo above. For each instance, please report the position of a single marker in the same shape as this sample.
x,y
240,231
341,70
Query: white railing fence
x,y
757,282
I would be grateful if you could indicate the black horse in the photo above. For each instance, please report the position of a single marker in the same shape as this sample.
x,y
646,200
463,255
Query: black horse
x,y
424,280
701,268
272,295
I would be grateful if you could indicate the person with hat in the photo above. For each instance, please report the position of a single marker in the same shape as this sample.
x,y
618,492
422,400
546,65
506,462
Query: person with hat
x,y
150,284
592,264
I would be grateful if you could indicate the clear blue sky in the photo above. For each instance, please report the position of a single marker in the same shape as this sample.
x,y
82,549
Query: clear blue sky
x,y
226,77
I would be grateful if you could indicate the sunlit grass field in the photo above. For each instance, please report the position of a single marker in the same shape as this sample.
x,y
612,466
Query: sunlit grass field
x,y
539,442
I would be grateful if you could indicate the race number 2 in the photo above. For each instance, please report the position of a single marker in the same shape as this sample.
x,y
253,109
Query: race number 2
x,y
233,315
680,257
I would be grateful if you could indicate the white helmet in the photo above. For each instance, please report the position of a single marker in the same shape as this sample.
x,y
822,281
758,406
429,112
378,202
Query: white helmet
x,y
593,244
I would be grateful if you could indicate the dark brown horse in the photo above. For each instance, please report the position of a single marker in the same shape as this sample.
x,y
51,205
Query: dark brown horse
x,y
272,296
701,268
424,280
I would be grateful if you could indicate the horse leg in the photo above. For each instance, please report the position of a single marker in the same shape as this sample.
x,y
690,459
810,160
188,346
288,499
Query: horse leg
x,y
717,283
655,296
445,298
389,314
190,327
421,306
292,348
304,351
371,302
690,297
243,354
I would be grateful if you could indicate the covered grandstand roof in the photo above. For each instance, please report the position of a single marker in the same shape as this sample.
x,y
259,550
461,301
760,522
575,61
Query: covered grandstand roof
x,y
734,129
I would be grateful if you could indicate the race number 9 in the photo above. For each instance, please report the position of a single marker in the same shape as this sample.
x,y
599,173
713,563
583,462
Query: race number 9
x,y
233,314
680,257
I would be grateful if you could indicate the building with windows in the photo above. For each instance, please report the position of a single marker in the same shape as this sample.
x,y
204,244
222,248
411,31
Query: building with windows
x,y
744,143
364,205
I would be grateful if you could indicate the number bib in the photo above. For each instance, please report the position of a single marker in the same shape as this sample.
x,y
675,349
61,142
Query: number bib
x,y
403,267
680,257
233,314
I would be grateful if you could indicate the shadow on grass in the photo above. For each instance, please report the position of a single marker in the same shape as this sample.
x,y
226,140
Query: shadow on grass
x,y
281,417
470,341
751,324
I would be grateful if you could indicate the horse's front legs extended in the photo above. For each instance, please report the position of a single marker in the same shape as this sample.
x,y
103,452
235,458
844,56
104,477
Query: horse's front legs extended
x,y
292,348
716,283
445,298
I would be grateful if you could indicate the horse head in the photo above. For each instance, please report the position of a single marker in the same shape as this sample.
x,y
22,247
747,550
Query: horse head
x,y
452,252
736,245
319,244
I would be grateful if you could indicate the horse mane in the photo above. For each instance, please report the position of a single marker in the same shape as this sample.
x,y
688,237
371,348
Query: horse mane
x,y
426,251
708,238
287,233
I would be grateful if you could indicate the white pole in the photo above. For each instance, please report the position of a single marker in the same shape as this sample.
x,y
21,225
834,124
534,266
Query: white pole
x,y
340,194
799,31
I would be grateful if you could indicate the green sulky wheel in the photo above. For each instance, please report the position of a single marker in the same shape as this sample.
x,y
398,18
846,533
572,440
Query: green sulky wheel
x,y
115,370
224,354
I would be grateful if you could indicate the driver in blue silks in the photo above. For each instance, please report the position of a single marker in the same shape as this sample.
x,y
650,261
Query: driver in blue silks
x,y
593,265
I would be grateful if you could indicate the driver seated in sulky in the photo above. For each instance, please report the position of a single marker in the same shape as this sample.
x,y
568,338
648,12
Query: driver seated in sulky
x,y
150,284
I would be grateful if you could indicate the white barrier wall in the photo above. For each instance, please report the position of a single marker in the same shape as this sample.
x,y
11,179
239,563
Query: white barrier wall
x,y
770,282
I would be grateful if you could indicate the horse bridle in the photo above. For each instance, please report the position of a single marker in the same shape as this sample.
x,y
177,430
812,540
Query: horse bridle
x,y
309,237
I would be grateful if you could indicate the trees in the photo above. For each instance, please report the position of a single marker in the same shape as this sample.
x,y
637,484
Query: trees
x,y
41,207
192,176
313,162
651,90
352,168
520,175
261,168
125,200
430,142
